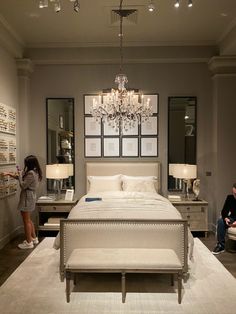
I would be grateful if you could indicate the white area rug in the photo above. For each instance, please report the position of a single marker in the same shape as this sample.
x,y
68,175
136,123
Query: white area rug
x,y
35,287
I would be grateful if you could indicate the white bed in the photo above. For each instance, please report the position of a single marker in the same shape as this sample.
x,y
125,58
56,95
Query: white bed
x,y
123,218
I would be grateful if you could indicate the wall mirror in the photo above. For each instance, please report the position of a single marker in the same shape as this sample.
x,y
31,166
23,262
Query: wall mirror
x,y
60,137
182,130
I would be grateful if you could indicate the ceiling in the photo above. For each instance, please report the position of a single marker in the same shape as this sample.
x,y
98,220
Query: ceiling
x,y
206,23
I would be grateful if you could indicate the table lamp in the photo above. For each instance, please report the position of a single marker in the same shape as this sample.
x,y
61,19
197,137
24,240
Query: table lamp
x,y
178,182
186,173
70,168
57,172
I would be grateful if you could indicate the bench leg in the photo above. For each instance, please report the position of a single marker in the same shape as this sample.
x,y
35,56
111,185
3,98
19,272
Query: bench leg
x,y
67,287
123,287
74,279
179,287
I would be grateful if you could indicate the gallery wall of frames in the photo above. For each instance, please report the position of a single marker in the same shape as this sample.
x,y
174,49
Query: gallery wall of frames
x,y
101,140
8,185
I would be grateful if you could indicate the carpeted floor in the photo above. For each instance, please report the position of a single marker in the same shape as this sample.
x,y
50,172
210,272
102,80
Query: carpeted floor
x,y
35,287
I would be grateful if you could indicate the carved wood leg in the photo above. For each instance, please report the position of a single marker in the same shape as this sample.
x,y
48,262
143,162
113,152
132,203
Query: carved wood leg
x,y
123,287
67,287
179,287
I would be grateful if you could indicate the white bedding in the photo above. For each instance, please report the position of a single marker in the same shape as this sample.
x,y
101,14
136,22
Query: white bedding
x,y
125,205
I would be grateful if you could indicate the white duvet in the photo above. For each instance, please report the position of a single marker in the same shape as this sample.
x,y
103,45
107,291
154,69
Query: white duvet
x,y
121,204
125,205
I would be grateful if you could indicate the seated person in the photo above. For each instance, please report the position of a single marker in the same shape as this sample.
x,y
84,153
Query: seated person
x,y
228,219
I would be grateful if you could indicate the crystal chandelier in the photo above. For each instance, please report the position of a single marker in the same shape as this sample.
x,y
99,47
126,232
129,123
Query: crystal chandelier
x,y
57,4
121,109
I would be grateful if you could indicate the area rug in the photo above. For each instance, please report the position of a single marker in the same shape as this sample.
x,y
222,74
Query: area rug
x,y
35,287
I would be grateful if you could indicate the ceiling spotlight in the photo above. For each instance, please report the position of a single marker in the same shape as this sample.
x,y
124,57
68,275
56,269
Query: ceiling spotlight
x,y
43,4
57,6
76,5
190,3
151,7
177,3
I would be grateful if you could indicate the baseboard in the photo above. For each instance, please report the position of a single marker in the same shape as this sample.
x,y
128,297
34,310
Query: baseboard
x,y
7,238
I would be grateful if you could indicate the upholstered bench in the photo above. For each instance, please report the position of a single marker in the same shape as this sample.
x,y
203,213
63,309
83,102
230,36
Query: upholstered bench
x,y
123,260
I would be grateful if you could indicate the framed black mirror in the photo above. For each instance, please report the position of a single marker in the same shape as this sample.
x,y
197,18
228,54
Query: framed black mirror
x,y
182,131
60,137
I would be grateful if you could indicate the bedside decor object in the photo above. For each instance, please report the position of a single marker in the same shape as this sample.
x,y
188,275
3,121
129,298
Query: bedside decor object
x,y
69,195
186,173
57,172
196,189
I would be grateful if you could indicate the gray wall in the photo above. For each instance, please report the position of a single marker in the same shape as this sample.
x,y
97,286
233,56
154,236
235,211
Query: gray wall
x,y
167,79
10,220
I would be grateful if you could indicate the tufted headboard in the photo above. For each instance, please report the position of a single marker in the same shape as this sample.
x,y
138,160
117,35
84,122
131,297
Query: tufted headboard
x,y
126,168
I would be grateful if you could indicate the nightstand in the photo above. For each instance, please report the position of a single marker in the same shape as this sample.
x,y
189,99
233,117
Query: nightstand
x,y
50,213
196,213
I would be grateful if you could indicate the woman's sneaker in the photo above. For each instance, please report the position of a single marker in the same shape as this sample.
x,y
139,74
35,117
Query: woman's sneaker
x,y
218,249
26,245
35,240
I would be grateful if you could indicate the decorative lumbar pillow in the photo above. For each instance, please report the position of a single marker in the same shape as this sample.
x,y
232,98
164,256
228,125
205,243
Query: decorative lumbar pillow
x,y
136,185
145,178
104,183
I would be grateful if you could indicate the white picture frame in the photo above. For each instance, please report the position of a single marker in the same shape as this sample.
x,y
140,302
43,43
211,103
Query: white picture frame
x,y
130,147
93,147
69,195
149,147
92,127
154,101
149,127
109,130
88,102
131,131
111,147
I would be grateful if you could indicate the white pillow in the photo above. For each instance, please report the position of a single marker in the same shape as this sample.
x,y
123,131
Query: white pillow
x,y
145,178
104,183
136,185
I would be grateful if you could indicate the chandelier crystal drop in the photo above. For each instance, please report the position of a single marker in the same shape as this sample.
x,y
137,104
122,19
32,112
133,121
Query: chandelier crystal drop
x,y
121,109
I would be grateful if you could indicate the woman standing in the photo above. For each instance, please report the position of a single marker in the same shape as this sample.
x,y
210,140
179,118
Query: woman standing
x,y
29,181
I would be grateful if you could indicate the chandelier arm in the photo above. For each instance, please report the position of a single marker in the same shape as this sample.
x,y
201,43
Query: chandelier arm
x,y
121,37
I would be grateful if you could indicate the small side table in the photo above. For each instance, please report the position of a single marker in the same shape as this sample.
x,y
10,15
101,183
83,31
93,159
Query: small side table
x,y
196,213
50,213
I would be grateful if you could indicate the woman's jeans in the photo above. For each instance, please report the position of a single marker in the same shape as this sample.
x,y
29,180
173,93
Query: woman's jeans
x,y
221,231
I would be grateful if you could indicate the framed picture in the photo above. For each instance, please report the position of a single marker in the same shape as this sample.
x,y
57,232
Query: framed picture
x,y
91,127
149,127
154,101
88,102
109,130
111,147
61,122
93,147
69,195
131,131
130,147
149,147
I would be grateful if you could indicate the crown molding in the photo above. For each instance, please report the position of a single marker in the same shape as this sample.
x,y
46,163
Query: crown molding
x,y
117,61
24,67
222,65
116,44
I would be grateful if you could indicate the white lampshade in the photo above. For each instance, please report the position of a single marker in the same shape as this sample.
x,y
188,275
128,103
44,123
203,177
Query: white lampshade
x,y
184,171
57,171
172,169
70,168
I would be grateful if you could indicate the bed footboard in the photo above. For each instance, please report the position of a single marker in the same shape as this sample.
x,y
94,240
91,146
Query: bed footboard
x,y
78,233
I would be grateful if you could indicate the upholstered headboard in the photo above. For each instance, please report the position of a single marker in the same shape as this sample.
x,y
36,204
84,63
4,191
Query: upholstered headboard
x,y
126,168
